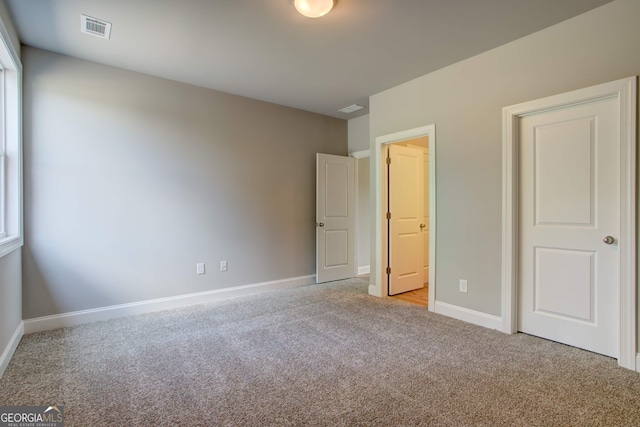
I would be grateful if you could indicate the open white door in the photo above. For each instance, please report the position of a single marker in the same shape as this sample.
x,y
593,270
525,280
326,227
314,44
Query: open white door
x,y
425,208
335,218
406,244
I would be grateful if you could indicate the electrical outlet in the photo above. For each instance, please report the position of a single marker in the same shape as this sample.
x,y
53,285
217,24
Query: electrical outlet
x,y
463,286
223,265
200,268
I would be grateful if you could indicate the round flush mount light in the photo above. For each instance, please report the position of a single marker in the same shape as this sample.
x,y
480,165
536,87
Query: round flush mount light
x,y
313,8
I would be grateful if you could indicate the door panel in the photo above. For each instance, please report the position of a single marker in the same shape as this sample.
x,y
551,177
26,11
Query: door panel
x,y
565,196
336,248
335,218
406,248
337,179
564,275
569,201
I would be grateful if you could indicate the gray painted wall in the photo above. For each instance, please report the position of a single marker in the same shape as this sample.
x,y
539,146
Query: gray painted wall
x,y
364,213
10,265
131,180
8,24
465,102
358,129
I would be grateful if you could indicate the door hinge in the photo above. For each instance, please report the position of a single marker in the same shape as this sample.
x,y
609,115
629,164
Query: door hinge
x,y
388,215
388,160
388,270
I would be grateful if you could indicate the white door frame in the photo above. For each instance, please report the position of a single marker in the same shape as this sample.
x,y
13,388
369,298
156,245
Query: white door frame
x,y
379,285
624,91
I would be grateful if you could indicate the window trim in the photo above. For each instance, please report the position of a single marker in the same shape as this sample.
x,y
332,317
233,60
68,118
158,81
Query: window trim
x,y
3,205
11,203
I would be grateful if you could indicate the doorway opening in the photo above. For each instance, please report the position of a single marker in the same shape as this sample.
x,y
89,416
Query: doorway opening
x,y
379,285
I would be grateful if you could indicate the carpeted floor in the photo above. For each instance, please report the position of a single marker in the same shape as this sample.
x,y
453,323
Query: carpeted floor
x,y
321,355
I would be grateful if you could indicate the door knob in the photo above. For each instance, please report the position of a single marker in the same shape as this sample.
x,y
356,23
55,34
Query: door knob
x,y
319,224
422,226
608,240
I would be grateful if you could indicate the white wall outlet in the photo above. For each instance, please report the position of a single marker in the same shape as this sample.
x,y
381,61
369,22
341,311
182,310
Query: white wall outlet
x,y
223,266
200,268
463,286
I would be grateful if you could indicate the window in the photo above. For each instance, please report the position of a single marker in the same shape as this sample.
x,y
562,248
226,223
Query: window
x,y
3,232
10,146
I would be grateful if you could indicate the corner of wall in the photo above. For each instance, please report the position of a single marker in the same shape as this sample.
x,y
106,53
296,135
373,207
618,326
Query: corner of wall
x,y
358,133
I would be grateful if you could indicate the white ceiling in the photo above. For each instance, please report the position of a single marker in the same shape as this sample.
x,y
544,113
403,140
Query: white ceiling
x,y
264,49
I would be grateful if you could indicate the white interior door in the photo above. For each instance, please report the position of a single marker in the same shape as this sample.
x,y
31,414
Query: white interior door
x,y
424,226
335,218
569,225
406,245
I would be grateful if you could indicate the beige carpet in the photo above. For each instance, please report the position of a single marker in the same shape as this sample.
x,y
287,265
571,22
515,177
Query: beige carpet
x,y
322,355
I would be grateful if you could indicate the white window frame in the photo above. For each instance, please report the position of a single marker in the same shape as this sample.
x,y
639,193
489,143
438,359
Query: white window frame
x,y
3,204
11,196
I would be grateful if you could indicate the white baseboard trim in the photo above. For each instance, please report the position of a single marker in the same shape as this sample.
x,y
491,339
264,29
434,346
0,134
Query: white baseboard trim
x,y
637,362
365,269
7,354
46,323
471,316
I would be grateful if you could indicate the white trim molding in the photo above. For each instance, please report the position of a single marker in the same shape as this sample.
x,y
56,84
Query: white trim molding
x,y
467,315
365,269
638,362
111,312
7,354
379,285
624,91
11,193
360,154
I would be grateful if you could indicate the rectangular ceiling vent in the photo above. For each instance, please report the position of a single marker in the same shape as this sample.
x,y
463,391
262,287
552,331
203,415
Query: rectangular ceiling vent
x,y
351,108
95,27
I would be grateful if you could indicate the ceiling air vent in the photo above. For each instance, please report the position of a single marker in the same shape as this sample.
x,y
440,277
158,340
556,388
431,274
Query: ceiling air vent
x,y
351,108
95,27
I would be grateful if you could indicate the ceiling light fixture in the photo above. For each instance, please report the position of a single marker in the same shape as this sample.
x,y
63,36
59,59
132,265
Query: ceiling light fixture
x,y
313,8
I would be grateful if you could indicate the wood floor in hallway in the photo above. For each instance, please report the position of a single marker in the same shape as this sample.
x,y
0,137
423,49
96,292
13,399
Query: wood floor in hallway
x,y
418,297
